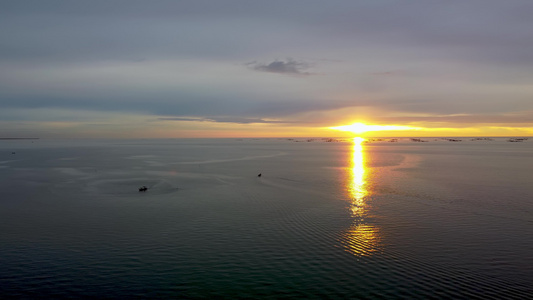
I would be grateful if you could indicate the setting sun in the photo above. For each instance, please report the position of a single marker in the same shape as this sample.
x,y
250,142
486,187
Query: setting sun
x,y
362,128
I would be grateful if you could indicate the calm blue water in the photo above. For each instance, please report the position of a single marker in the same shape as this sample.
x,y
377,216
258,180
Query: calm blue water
x,y
352,219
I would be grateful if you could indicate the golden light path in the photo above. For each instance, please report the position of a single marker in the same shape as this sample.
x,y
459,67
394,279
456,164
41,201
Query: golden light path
x,y
357,183
362,239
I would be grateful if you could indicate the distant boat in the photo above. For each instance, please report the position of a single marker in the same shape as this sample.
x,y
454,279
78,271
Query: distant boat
x,y
143,188
516,140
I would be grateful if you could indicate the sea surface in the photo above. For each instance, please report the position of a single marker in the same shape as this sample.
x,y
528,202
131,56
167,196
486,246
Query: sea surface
x,y
328,219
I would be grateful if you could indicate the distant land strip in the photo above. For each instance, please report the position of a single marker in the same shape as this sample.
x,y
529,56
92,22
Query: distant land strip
x,y
19,138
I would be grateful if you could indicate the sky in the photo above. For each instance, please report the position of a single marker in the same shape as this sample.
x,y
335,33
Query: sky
x,y
171,69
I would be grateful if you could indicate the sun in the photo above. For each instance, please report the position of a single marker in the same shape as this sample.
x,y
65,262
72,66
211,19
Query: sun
x,y
355,128
360,128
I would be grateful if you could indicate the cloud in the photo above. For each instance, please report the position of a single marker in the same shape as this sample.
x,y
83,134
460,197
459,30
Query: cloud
x,y
388,73
288,67
237,120
512,119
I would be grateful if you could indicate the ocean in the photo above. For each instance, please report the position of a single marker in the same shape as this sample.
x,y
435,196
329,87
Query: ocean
x,y
327,219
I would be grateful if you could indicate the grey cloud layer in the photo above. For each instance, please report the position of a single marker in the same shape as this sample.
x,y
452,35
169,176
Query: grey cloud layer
x,y
470,29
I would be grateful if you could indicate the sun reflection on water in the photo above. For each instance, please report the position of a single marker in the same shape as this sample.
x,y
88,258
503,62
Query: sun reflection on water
x,y
361,239
357,187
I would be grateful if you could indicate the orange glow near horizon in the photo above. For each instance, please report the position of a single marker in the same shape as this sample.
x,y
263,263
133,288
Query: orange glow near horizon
x,y
430,130
360,128
149,128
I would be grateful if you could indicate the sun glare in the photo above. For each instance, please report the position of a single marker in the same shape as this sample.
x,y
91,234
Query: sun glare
x,y
362,128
